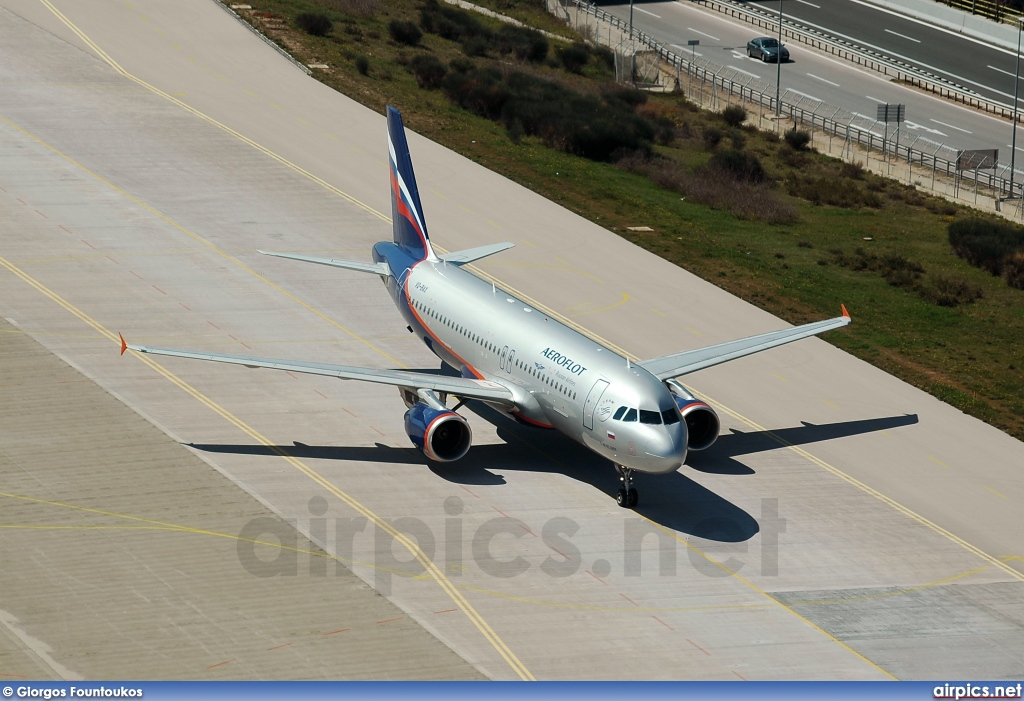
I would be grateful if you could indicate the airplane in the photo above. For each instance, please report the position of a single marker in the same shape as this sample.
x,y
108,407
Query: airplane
x,y
517,359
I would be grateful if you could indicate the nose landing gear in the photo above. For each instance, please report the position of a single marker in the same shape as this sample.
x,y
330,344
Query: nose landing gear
x,y
626,497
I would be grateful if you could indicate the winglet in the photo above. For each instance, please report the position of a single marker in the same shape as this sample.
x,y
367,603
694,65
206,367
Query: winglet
x,y
124,346
845,313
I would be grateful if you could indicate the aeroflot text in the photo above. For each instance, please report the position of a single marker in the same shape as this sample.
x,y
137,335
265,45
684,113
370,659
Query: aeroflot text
x,y
977,691
567,363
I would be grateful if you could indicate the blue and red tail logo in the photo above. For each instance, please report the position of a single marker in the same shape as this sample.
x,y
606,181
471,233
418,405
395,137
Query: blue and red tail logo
x,y
406,212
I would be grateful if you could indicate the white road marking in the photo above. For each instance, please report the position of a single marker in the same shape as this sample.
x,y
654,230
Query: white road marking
x,y
640,9
740,70
809,97
1011,146
804,2
686,49
915,126
950,126
874,98
697,31
823,80
903,36
1012,75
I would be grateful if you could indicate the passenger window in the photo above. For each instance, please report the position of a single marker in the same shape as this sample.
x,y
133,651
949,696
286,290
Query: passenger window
x,y
630,415
650,417
670,416
619,412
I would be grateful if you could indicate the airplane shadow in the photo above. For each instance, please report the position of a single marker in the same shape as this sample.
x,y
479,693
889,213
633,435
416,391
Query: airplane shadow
x,y
674,501
719,459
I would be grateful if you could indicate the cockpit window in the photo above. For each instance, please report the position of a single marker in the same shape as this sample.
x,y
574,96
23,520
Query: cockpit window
x,y
630,415
650,417
619,412
670,416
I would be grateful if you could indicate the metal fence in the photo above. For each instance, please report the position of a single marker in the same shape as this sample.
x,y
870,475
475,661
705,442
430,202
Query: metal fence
x,y
998,10
717,86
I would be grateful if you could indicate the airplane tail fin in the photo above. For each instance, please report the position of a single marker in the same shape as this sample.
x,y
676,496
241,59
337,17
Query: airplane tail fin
x,y
406,212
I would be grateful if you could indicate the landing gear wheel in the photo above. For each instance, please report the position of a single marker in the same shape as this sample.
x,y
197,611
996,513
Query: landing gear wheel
x,y
626,497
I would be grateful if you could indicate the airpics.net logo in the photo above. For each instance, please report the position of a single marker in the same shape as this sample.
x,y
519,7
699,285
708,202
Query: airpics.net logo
x,y
504,546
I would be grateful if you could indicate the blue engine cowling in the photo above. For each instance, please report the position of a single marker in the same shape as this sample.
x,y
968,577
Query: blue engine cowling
x,y
441,435
702,423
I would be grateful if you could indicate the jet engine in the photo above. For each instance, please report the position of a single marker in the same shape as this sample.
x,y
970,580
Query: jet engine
x,y
702,424
442,435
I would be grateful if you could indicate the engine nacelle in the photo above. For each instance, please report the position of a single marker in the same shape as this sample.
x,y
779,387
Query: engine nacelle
x,y
442,435
702,423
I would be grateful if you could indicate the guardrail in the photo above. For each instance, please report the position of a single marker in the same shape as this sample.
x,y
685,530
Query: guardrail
x,y
851,128
869,58
986,8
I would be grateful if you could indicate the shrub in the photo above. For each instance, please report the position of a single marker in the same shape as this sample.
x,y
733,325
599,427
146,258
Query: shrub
x,y
475,46
797,139
985,244
1013,270
734,115
951,291
712,137
363,65
715,188
590,126
823,191
360,8
314,23
450,22
574,57
741,165
854,171
429,71
522,42
405,32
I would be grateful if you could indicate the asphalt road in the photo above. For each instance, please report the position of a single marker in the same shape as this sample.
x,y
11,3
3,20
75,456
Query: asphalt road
x,y
148,150
815,81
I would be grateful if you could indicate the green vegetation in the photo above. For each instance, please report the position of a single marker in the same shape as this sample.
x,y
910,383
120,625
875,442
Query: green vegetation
x,y
768,219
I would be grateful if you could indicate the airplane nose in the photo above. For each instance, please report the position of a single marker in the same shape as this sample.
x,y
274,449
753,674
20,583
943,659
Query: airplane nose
x,y
666,451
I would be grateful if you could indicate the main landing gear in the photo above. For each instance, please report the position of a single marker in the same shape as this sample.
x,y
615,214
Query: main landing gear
x,y
626,497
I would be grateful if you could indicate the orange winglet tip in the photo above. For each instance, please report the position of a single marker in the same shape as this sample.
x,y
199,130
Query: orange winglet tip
x,y
845,313
124,346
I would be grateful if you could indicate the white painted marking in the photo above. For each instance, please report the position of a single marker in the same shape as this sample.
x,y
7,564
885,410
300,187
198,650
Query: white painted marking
x,y
697,31
740,70
823,80
1012,75
804,2
640,9
903,36
687,49
1011,146
874,98
950,126
809,97
915,126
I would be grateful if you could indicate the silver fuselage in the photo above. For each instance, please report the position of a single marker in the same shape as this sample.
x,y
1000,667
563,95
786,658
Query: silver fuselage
x,y
561,379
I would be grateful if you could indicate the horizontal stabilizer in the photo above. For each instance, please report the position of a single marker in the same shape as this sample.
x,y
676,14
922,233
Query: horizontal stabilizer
x,y
375,268
669,366
472,254
463,387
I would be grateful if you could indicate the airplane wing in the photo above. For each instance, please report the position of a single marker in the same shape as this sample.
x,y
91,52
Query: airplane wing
x,y
669,366
375,268
462,387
